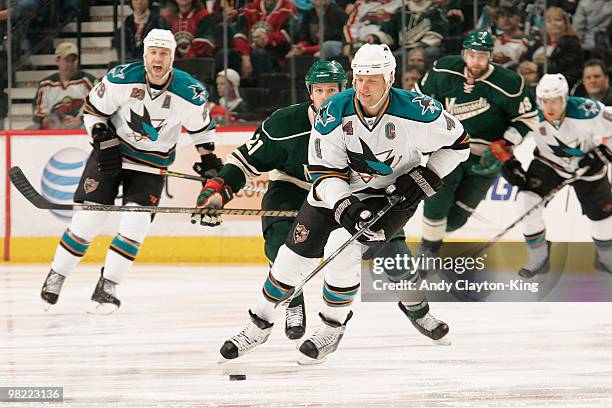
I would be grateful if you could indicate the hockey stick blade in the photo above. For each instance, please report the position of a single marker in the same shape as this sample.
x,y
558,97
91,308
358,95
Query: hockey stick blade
x,y
23,185
26,189
289,294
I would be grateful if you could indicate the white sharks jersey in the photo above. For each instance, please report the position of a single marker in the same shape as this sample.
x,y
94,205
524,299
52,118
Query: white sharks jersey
x,y
149,121
587,124
352,154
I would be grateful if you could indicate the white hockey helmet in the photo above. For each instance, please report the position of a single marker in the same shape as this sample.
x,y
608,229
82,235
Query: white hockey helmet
x,y
373,59
160,38
552,86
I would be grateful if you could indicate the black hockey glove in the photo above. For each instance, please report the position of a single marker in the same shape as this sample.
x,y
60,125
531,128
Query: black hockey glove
x,y
352,214
596,159
415,185
209,167
106,146
514,174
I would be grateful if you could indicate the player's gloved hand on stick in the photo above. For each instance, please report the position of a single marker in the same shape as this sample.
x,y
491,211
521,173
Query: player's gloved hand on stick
x,y
596,159
209,166
352,214
513,173
493,158
214,194
106,147
415,185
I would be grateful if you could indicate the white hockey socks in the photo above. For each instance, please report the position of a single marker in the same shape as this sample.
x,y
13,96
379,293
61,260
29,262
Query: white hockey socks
x,y
133,228
288,270
84,227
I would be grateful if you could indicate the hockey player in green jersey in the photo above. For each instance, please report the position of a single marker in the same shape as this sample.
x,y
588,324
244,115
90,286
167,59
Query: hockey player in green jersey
x,y
495,108
279,146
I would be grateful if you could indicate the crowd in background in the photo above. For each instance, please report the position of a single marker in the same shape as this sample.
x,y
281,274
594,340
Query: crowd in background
x,y
572,37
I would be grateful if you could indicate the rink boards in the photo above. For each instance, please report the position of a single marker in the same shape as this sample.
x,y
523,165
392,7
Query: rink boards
x,y
51,162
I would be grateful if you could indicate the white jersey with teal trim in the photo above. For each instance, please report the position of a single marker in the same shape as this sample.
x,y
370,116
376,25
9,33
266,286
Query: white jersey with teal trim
x,y
587,124
149,121
353,154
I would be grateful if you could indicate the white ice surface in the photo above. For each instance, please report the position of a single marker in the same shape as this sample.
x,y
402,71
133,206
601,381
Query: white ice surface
x,y
160,349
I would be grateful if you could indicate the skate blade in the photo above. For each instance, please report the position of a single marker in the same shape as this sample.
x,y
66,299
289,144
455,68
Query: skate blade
x,y
444,341
223,360
305,360
101,308
46,305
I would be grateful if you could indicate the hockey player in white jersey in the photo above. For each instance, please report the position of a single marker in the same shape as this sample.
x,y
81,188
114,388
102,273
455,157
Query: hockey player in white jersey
x,y
573,133
367,143
134,115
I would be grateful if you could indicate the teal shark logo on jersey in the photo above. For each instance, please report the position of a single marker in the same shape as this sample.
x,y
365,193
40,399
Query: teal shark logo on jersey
x,y
199,93
324,117
590,108
142,126
367,163
117,72
563,150
426,103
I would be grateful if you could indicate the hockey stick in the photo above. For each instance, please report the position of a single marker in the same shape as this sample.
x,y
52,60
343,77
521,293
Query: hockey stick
x,y
152,170
22,184
289,294
473,213
579,173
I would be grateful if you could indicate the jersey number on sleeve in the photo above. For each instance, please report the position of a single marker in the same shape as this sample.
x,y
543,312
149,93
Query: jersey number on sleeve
x,y
253,144
524,106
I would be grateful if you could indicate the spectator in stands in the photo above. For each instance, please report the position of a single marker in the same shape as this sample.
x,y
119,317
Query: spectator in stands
x,y
426,26
366,18
412,74
231,9
416,57
529,71
167,9
591,17
562,52
263,35
137,25
597,82
194,30
307,36
228,84
569,6
234,105
60,97
512,43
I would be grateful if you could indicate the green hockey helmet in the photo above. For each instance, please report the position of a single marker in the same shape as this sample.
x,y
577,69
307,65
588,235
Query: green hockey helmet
x,y
478,41
322,72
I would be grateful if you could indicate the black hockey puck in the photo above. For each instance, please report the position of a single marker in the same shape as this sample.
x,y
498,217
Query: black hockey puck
x,y
237,377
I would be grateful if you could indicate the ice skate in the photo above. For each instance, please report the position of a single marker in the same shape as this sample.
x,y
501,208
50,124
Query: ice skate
x,y
295,318
255,333
103,299
323,341
51,289
537,266
427,325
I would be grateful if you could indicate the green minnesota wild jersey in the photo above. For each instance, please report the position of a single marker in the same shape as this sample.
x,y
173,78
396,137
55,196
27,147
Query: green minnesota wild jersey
x,y
488,106
278,146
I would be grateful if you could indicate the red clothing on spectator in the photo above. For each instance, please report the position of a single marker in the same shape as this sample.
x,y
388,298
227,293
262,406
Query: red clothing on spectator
x,y
194,33
278,22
